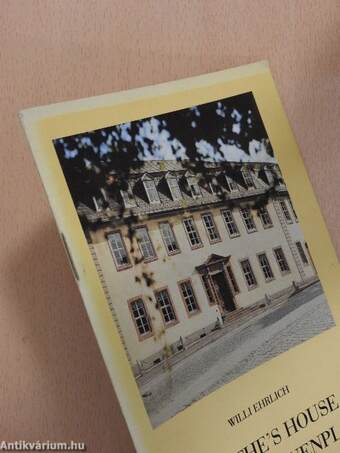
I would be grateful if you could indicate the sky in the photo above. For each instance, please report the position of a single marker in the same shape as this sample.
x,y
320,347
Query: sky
x,y
164,147
156,142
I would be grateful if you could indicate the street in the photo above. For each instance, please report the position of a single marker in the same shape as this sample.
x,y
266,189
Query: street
x,y
303,316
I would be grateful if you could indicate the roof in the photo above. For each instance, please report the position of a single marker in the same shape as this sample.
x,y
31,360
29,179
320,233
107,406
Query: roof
x,y
158,171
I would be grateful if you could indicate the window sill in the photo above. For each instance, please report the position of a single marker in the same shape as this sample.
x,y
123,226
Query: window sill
x,y
285,272
144,336
193,313
173,253
251,288
123,268
233,236
150,260
195,247
170,324
267,227
215,241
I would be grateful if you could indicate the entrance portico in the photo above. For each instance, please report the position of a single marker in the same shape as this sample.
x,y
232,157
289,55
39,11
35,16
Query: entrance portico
x,y
215,277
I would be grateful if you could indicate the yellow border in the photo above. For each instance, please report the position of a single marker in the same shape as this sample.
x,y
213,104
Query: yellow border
x,y
202,427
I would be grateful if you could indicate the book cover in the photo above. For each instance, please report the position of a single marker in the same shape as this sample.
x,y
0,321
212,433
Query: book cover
x,y
203,261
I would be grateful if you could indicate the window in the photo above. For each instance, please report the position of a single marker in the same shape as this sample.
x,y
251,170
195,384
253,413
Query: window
x,y
230,223
285,211
248,179
248,220
151,191
281,260
174,188
128,198
294,212
118,250
169,238
165,306
189,297
213,185
231,184
192,233
97,204
145,244
194,187
100,202
302,253
209,289
265,266
265,217
212,188
210,227
233,280
248,273
140,317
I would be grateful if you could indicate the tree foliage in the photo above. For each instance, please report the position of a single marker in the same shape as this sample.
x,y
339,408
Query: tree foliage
x,y
104,158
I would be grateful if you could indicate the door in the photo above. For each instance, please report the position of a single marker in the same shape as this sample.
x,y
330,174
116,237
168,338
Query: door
x,y
223,291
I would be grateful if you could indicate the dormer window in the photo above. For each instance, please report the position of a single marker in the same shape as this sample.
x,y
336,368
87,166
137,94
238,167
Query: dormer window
x,y
101,201
279,176
175,191
213,186
98,204
128,198
231,184
248,179
269,175
194,187
151,191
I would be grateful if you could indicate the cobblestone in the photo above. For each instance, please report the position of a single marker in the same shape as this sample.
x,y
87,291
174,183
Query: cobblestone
x,y
303,316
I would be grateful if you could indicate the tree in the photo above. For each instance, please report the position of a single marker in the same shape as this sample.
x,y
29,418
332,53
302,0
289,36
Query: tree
x,y
104,158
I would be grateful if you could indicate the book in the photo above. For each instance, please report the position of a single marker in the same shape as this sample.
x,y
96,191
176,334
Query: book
x,y
203,261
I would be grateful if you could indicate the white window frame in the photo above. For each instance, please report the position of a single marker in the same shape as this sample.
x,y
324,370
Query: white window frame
x,y
263,213
192,182
232,185
211,228
285,211
170,180
281,259
248,220
118,249
156,199
142,313
266,267
248,179
128,198
169,238
166,307
190,300
230,222
96,205
302,253
145,244
192,233
212,188
248,272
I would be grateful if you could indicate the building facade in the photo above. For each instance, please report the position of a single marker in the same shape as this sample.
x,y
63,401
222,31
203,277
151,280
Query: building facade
x,y
179,251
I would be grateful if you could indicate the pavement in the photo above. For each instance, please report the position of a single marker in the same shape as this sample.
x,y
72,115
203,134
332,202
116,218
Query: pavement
x,y
303,316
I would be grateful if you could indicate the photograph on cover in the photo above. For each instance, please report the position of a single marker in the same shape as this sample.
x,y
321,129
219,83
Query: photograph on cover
x,y
197,245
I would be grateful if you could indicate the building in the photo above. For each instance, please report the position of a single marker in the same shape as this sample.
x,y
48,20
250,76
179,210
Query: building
x,y
178,251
